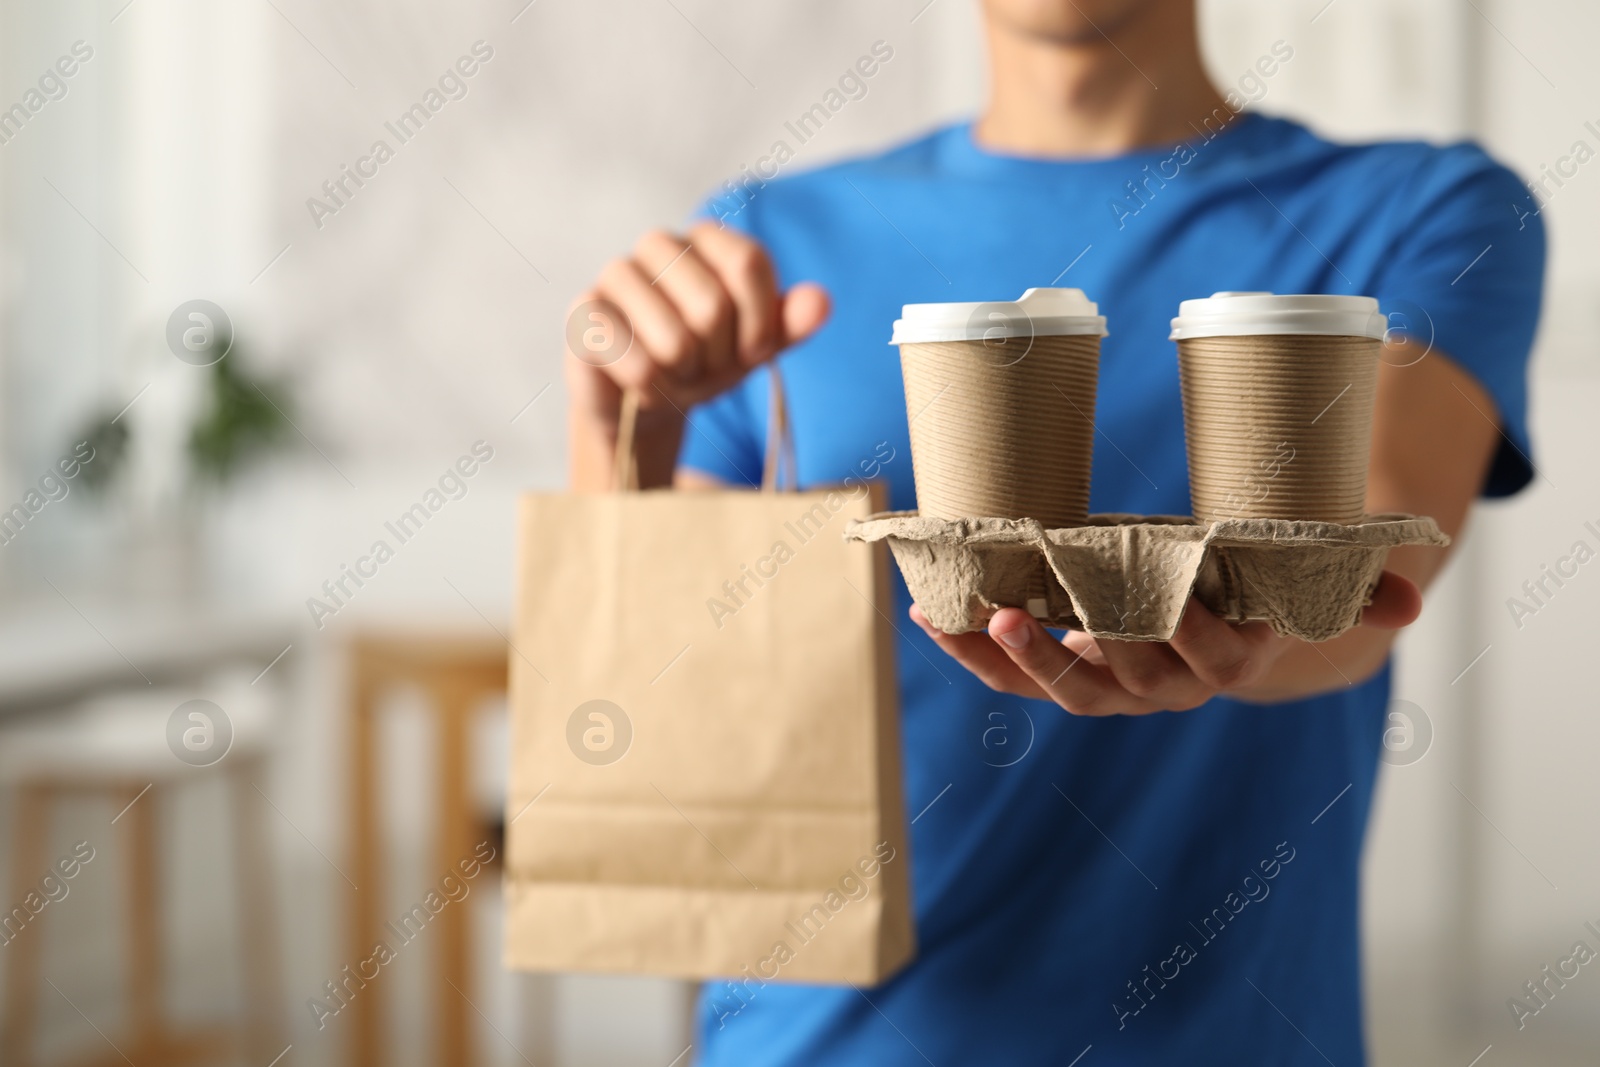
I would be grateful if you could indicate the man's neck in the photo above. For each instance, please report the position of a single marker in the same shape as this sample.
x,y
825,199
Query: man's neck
x,y
1140,85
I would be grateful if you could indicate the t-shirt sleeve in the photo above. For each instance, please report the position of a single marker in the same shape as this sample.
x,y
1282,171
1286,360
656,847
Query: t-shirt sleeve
x,y
1466,276
724,435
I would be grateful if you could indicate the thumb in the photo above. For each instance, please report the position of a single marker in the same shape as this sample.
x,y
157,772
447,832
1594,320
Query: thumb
x,y
1396,603
805,309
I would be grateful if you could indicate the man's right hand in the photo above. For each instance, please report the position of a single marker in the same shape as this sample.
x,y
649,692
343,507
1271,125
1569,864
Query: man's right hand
x,y
702,311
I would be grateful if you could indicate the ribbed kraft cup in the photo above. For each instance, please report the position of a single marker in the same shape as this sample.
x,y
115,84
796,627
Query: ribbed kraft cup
x,y
1003,428
1278,426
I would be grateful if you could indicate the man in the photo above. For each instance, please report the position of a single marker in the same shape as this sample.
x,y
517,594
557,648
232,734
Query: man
x,y
1166,888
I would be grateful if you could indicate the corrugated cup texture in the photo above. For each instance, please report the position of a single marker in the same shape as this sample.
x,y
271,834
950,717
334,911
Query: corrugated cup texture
x,y
1003,428
1278,426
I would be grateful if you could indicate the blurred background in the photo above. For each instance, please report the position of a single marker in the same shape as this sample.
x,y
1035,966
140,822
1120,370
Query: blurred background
x,y
348,745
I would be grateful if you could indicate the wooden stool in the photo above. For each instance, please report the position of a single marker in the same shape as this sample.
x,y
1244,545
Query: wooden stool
x,y
457,673
115,749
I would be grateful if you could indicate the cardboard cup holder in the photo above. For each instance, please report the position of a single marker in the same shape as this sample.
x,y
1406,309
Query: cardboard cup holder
x,y
1129,577
1278,395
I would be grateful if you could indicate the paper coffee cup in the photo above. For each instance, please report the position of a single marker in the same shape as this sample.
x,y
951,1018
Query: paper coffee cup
x,y
1000,397
1278,396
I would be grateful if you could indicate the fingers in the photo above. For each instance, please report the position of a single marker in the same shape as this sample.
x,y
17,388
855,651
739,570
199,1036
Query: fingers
x,y
805,309
697,295
767,322
979,654
1019,656
1081,643
1223,655
703,310
1069,679
1090,676
1106,677
1396,603
745,274
1156,672
661,337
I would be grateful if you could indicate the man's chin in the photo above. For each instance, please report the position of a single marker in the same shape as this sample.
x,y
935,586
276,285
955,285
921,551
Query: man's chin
x,y
1067,23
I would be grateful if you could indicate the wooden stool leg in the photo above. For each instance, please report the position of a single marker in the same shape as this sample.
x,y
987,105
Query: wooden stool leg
x,y
258,943
454,703
145,972
366,921
23,940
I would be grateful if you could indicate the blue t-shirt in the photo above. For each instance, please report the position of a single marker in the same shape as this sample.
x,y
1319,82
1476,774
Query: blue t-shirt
x,y
1171,888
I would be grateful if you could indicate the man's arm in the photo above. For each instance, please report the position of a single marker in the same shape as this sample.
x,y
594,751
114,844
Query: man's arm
x,y
1433,438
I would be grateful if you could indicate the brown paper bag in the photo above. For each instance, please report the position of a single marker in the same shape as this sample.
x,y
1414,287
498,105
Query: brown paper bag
x,y
705,760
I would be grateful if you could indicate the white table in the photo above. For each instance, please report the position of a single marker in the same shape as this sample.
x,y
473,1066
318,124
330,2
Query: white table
x,y
57,648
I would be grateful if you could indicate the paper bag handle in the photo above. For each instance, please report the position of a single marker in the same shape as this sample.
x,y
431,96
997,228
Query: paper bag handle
x,y
780,441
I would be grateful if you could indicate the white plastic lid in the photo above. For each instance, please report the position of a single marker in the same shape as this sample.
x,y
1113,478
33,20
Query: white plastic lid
x,y
1036,313
1245,314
